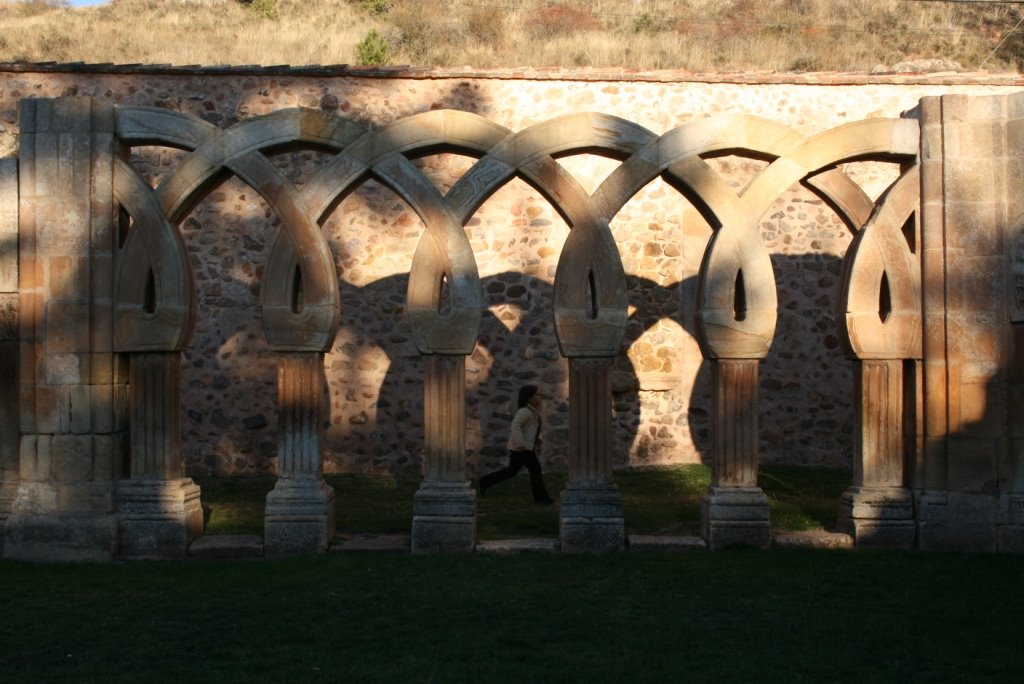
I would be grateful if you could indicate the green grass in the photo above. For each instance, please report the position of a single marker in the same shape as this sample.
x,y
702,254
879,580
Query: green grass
x,y
663,501
736,616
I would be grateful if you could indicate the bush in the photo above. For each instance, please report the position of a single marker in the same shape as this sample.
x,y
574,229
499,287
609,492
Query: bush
x,y
264,9
377,8
373,50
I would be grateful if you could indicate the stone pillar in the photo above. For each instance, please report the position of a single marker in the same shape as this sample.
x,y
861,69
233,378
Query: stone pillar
x,y
444,507
9,434
160,511
72,418
878,510
968,177
591,506
300,508
735,511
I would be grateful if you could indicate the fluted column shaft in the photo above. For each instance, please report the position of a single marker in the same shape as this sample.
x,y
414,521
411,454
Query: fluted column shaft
x,y
734,439
154,408
300,395
590,420
878,412
444,412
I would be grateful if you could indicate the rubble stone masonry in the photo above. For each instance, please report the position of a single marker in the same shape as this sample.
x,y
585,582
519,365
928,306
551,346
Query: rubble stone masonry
x,y
374,412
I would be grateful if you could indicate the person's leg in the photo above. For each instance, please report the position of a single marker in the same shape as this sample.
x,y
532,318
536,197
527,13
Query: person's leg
x,y
540,494
514,464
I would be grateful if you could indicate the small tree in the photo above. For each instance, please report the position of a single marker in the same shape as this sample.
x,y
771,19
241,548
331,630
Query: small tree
x,y
264,9
373,49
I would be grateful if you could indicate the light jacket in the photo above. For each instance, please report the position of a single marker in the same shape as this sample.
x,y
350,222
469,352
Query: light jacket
x,y
523,435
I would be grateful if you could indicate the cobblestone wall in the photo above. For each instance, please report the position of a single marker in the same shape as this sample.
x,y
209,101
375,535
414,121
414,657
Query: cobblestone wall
x,y
375,423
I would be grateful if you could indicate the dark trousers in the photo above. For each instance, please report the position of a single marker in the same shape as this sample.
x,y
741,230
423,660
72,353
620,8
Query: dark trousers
x,y
516,460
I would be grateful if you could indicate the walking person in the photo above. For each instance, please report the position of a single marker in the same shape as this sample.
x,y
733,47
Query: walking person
x,y
523,441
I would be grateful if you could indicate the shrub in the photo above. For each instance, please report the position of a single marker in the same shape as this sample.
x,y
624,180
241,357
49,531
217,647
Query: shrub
x,y
373,49
264,9
377,8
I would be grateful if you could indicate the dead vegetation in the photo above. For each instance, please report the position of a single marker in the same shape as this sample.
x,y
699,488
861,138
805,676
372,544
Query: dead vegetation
x,y
700,35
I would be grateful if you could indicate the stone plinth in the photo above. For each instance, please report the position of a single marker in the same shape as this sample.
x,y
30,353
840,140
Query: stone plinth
x,y
444,518
36,531
591,518
158,518
878,517
736,517
953,521
1011,523
299,517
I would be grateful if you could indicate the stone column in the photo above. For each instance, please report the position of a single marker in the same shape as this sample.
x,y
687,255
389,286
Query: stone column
x,y
444,507
9,434
878,510
72,418
160,511
591,506
735,511
300,508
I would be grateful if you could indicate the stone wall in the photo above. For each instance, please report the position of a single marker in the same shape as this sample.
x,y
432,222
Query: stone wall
x,y
375,374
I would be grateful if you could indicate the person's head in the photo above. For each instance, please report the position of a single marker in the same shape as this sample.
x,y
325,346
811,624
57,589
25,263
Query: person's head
x,y
526,393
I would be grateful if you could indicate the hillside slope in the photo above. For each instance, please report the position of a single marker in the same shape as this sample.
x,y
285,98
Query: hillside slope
x,y
699,35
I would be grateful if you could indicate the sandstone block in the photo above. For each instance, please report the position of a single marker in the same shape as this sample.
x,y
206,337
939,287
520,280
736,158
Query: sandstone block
x,y
735,517
299,517
158,518
590,518
444,518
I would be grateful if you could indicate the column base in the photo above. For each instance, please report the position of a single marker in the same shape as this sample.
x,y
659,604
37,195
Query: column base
x,y
878,517
299,517
158,518
951,521
1011,522
591,518
8,490
735,517
37,531
444,518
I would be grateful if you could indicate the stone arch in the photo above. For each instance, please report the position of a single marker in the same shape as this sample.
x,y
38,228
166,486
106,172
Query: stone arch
x,y
155,294
290,325
880,266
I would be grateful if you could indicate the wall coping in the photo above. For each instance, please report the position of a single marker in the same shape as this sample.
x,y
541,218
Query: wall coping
x,y
826,78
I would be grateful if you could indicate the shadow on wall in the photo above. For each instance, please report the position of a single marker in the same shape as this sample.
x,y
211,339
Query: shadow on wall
x,y
805,383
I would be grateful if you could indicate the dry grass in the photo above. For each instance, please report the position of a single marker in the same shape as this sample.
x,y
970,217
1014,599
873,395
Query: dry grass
x,y
802,35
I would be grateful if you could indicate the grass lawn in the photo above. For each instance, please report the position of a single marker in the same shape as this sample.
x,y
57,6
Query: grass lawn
x,y
655,501
783,615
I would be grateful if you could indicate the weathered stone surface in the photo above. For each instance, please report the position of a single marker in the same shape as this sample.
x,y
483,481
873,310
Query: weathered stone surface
x,y
590,518
640,284
948,521
812,539
299,517
645,542
158,519
220,546
510,547
735,517
443,518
